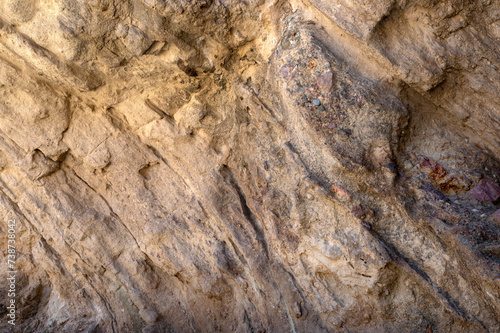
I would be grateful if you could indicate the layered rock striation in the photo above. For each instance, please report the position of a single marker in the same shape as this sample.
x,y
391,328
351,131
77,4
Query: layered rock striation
x,y
251,166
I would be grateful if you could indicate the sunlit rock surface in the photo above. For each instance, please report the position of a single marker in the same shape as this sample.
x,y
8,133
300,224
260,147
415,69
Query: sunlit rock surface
x,y
251,166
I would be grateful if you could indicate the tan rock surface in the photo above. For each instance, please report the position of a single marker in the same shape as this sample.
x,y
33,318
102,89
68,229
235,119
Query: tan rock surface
x,y
250,166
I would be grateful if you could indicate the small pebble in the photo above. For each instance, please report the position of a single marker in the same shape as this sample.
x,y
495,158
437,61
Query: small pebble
x,y
316,102
408,165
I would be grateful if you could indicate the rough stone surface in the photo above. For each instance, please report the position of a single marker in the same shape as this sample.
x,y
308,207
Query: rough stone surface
x,y
486,191
251,166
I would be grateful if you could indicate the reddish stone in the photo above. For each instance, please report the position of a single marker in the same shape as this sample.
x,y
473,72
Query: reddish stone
x,y
325,81
432,168
340,192
496,216
358,212
486,191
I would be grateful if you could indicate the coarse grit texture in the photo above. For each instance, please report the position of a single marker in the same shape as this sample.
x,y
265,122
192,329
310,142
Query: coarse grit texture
x,y
251,165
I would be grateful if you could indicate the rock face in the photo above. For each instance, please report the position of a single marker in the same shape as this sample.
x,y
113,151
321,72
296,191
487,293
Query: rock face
x,y
251,166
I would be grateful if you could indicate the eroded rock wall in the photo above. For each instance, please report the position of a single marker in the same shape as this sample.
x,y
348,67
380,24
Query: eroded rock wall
x,y
251,166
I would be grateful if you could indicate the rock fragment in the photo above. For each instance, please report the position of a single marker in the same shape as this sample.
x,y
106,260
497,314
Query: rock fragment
x,y
486,191
496,217
341,193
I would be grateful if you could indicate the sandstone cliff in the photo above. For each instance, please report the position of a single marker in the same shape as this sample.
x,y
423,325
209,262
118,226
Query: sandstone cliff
x,y
251,166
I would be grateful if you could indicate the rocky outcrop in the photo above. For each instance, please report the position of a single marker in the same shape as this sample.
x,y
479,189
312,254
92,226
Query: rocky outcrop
x,y
250,166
